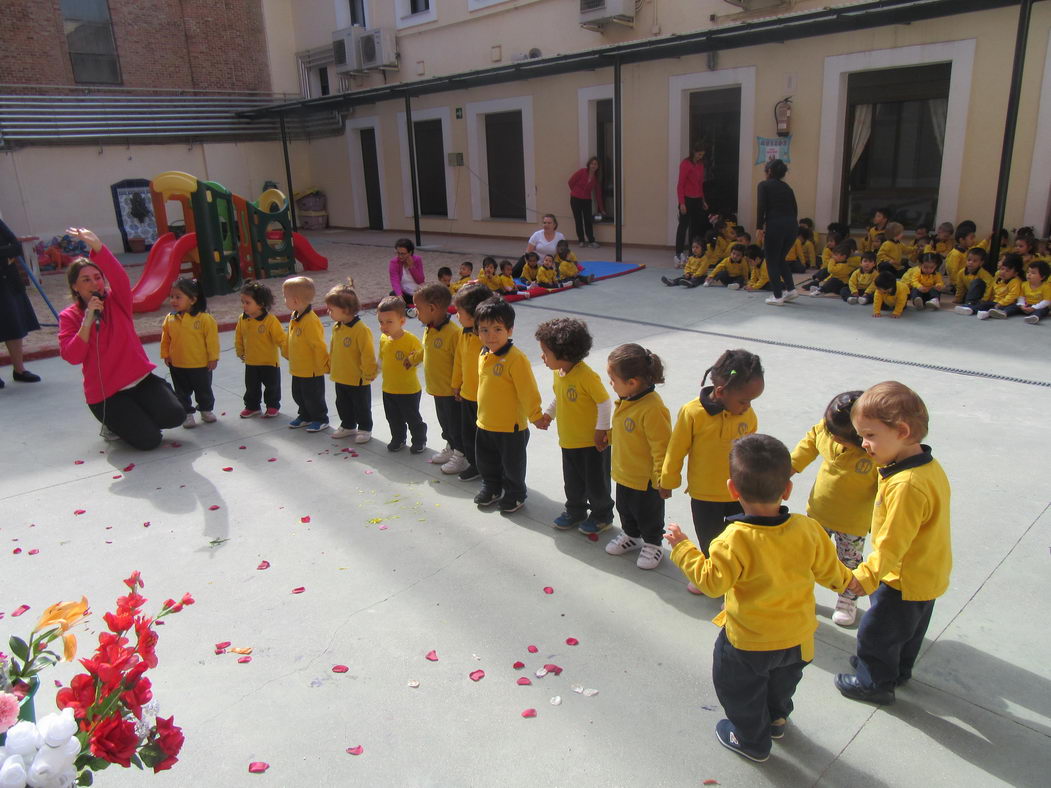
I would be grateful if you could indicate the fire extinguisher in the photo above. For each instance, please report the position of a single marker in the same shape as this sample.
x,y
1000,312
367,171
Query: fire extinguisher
x,y
783,116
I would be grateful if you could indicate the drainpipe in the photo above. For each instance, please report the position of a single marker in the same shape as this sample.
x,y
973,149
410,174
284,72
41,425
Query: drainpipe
x,y
412,169
618,197
288,174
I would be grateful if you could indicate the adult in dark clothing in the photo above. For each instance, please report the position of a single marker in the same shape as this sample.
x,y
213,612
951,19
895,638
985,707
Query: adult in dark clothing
x,y
778,221
689,193
16,313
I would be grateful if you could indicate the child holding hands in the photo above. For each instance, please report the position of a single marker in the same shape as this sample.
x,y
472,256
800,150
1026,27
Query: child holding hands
x,y
400,353
353,364
190,348
439,355
257,339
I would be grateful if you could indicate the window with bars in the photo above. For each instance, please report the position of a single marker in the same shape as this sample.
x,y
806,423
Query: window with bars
x,y
89,38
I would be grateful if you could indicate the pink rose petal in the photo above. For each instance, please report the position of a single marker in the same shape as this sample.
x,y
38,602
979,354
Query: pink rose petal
x,y
263,565
305,519
258,767
518,665
548,590
572,642
272,459
78,512
355,750
431,656
476,675
550,668
523,682
117,476
78,462
224,644
298,590
593,537
129,467
219,651
16,551
532,649
244,660
340,668
34,551
227,469
19,611
146,524
242,447
529,713
213,507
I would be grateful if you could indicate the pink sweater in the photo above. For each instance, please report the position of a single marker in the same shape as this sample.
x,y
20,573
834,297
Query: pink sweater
x,y
691,180
113,356
582,183
416,270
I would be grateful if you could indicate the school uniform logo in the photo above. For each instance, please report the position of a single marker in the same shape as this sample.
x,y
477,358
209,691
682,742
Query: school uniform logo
x,y
437,344
864,465
346,341
299,332
571,393
399,355
261,330
742,428
196,325
498,370
629,424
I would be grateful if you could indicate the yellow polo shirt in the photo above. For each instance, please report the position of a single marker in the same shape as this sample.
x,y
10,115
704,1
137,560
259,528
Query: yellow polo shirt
x,y
393,354
577,394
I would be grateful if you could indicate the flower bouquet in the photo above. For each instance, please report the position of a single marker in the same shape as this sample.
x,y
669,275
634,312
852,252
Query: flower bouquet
x,y
107,714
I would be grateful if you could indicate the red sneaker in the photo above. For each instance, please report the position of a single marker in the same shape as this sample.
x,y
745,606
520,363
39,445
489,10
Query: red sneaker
x,y
270,413
248,413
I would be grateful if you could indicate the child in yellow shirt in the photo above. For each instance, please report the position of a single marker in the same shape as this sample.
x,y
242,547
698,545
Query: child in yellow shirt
x,y
880,221
307,355
465,371
862,283
352,362
258,338
569,269
581,410
972,281
842,495
547,275
911,558
440,340
1004,291
400,354
766,563
530,267
758,276
489,277
1035,299
190,348
957,256
925,283
891,254
891,293
445,278
640,433
803,254
465,273
730,271
695,270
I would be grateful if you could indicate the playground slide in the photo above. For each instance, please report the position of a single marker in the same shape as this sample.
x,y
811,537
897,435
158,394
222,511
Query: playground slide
x,y
162,268
307,254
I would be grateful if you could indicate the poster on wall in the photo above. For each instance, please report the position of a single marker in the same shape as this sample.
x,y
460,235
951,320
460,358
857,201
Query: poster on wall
x,y
134,208
771,148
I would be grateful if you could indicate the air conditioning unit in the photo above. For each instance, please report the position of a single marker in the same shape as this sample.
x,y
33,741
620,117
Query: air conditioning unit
x,y
595,13
378,48
756,5
345,52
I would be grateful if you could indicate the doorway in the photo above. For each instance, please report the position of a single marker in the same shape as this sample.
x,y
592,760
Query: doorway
x,y
430,167
505,165
715,122
371,170
604,151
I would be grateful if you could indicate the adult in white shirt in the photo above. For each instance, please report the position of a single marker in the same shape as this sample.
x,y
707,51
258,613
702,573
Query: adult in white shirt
x,y
544,240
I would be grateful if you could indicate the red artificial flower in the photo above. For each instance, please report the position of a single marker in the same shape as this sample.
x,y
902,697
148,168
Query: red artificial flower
x,y
147,641
130,603
114,740
187,599
135,581
170,740
139,692
79,695
119,623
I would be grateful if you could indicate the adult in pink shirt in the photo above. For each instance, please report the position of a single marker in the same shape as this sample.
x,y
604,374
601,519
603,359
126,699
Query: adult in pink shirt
x,y
98,333
406,272
689,192
582,184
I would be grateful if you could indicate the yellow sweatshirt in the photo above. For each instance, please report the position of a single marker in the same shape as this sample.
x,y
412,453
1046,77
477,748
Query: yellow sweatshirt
x,y
870,242
568,268
508,398
705,432
803,252
891,252
352,355
507,284
460,283
577,394
641,429
1031,296
439,353
393,354
465,364
845,488
547,277
955,260
964,279
189,341
733,268
758,276
861,283
306,352
258,340
911,544
696,266
492,282
842,271
898,299
914,277
766,567
1004,293
529,271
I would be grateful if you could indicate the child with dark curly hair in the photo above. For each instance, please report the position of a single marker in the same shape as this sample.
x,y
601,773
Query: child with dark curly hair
x,y
257,339
582,410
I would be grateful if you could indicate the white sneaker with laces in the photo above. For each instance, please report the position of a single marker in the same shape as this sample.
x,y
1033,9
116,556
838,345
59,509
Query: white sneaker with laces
x,y
963,310
917,303
983,315
443,456
622,543
456,464
1032,320
815,292
707,283
775,301
846,611
934,305
852,300
864,300
733,286
363,436
344,432
649,556
208,417
189,422
791,295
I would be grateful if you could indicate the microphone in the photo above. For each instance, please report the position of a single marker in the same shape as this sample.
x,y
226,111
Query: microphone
x,y
98,315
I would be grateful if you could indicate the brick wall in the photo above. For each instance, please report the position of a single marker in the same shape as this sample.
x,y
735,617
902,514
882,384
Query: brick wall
x,y
32,44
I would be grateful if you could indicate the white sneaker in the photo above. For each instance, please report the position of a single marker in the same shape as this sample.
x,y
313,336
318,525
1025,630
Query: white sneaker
x,y
622,543
1031,320
963,310
456,464
791,295
344,432
864,300
733,286
774,301
917,304
649,556
846,611
983,315
934,305
443,456
815,291
707,283
189,422
852,300
363,436
999,314
208,417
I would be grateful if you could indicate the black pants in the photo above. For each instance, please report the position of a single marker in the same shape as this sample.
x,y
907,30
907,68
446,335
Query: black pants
x,y
139,414
354,406
754,688
407,298
403,411
641,513
585,473
780,234
448,410
820,275
196,381
709,519
468,428
975,293
582,216
831,285
929,295
889,638
260,378
726,278
309,395
1015,309
501,460
692,224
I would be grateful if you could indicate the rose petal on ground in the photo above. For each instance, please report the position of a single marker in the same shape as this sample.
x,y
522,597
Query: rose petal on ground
x,y
590,693
305,518
529,713
78,462
129,467
523,682
78,512
532,649
556,701
19,611
16,551
118,476
224,644
146,524
384,527
340,668
356,750
476,675
220,651
578,688
711,782
272,459
518,665
258,767
552,668
213,507
34,551
548,590
241,650
244,660
431,656
263,565
414,683
242,447
369,473
541,672
572,642
227,469
299,589
593,537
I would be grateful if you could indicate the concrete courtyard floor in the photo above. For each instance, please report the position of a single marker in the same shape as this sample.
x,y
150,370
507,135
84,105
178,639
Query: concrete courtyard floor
x,y
396,561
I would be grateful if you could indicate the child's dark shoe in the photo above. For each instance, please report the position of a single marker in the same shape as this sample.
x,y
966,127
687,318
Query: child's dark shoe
x,y
488,497
849,687
418,448
727,736
395,445
777,728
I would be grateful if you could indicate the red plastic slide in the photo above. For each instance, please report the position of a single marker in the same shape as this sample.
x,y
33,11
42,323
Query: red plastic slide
x,y
307,254
162,268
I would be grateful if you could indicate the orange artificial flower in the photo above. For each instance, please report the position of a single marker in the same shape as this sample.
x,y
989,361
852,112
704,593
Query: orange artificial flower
x,y
63,616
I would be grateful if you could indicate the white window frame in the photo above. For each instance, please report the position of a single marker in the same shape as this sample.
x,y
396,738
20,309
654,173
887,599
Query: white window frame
x,y
342,9
587,123
834,119
679,90
478,5
357,169
1038,195
405,18
476,155
437,113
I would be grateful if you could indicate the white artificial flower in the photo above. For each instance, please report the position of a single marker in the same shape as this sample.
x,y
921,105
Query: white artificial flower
x,y
23,739
13,772
57,729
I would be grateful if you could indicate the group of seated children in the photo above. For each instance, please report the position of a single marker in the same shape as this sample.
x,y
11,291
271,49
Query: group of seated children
x,y
552,272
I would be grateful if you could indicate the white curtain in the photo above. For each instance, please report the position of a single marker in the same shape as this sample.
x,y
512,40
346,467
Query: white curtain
x,y
939,109
861,132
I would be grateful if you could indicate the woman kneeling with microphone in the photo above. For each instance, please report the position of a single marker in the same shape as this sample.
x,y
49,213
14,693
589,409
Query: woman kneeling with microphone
x,y
97,332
